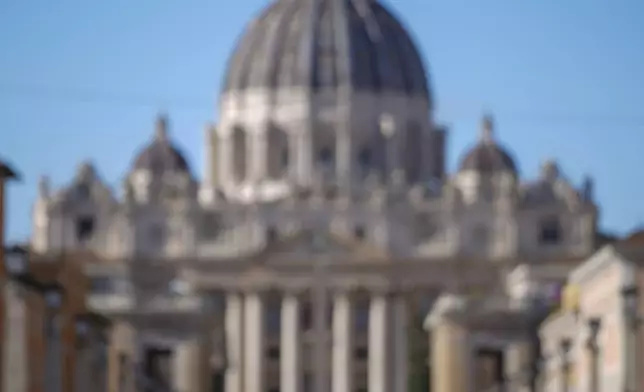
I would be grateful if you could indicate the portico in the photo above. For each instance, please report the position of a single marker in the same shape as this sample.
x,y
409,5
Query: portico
x,y
484,344
307,313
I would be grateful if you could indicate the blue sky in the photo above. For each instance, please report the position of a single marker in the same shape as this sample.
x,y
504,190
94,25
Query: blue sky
x,y
85,79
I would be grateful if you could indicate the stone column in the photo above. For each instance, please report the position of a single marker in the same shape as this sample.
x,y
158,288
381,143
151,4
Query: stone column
x,y
400,355
254,343
186,366
451,353
379,379
291,357
519,366
343,329
234,346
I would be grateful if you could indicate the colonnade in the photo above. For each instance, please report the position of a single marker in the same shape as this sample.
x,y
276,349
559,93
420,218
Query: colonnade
x,y
245,324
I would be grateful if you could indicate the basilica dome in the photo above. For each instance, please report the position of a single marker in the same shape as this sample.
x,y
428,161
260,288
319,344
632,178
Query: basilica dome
x,y
324,45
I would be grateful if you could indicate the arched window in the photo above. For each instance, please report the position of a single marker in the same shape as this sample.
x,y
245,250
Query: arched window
x,y
413,153
550,231
326,157
278,154
324,147
365,161
239,154
380,154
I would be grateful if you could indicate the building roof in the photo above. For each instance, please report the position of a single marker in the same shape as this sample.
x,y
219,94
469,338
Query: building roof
x,y
161,155
487,156
325,44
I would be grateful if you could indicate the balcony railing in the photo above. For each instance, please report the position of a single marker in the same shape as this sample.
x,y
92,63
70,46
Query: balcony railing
x,y
171,303
122,302
110,302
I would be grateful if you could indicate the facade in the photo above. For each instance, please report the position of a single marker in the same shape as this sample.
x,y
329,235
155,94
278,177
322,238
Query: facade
x,y
604,345
325,221
589,340
7,174
51,342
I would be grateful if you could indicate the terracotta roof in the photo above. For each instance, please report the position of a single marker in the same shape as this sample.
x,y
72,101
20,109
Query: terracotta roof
x,y
634,238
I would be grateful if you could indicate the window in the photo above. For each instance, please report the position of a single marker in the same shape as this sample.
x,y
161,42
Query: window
x,y
156,234
359,232
284,157
210,225
278,154
413,152
306,317
101,284
273,317
239,153
325,156
82,192
365,157
271,235
273,352
550,232
84,228
308,382
361,353
362,317
480,235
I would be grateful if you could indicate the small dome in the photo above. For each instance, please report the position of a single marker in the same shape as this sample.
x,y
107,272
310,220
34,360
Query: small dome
x,y
326,44
161,155
487,156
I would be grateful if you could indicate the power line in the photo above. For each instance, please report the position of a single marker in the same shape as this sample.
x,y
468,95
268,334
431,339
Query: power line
x,y
102,97
70,95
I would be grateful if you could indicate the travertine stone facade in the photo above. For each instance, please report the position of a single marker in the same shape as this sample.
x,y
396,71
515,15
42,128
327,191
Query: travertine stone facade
x,y
325,208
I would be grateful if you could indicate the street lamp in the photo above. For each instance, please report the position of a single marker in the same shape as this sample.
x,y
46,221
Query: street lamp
x,y
594,325
564,346
630,300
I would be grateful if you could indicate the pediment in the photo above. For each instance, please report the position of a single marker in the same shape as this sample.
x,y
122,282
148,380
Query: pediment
x,y
306,244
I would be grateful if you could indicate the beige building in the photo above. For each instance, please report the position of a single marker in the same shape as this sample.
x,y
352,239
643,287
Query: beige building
x,y
588,341
596,295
